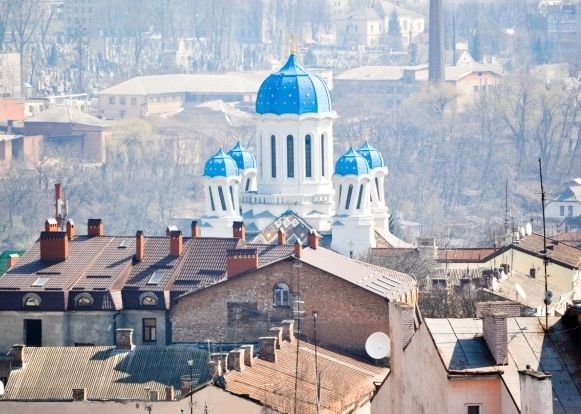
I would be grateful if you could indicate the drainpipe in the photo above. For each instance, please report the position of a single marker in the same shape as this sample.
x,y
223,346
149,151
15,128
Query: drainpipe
x,y
115,326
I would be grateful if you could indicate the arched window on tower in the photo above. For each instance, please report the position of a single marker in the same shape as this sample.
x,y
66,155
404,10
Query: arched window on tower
x,y
211,199
339,198
349,194
247,184
322,155
273,156
308,172
378,192
360,197
290,156
232,198
222,200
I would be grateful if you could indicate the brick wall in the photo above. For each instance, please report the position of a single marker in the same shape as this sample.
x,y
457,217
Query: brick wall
x,y
348,314
510,308
496,336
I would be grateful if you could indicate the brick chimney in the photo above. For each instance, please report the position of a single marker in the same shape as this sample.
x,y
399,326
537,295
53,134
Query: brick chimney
x,y
71,231
236,360
240,260
221,357
313,240
79,394
95,227
12,260
277,333
169,229
54,246
427,247
248,354
124,339
407,323
176,243
298,248
215,368
496,335
139,246
186,385
195,229
18,357
288,330
170,394
509,307
267,348
536,392
281,237
51,225
239,230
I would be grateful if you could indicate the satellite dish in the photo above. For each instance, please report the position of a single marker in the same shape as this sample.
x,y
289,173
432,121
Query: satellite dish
x,y
377,345
520,291
529,229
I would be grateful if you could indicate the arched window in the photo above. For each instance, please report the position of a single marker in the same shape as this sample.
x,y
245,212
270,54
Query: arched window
x,y
31,300
339,198
273,156
378,192
222,200
290,156
281,295
247,184
359,198
148,299
323,155
232,197
349,194
84,300
308,172
211,199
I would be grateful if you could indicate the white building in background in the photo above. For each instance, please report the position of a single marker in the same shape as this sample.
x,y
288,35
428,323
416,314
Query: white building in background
x,y
567,203
293,171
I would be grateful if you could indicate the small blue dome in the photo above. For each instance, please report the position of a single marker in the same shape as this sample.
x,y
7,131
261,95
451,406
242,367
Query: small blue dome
x,y
351,163
292,90
244,158
220,165
373,157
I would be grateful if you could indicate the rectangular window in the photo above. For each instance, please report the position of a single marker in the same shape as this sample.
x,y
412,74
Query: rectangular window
x,y
273,156
349,194
111,100
222,200
122,100
562,211
133,100
149,330
360,197
570,211
473,409
322,155
212,199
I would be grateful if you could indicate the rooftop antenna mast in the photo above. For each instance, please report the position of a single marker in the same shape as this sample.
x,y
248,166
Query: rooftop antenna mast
x,y
548,294
61,206
506,221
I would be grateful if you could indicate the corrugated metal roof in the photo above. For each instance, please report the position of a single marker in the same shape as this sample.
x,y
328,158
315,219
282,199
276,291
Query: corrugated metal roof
x,y
344,380
51,373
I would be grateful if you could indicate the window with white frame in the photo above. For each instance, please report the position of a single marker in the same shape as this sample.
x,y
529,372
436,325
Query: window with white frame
x,y
281,295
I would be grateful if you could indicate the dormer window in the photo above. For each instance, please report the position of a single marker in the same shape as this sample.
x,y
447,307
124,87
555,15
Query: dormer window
x,y
84,300
31,300
148,299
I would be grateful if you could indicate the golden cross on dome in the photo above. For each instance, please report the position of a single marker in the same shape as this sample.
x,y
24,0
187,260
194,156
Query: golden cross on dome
x,y
294,48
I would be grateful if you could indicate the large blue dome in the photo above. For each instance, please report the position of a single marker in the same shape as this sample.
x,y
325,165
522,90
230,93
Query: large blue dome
x,y
244,158
292,90
220,165
351,163
373,157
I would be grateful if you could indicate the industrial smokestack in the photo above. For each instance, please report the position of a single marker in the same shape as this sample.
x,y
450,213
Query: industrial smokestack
x,y
436,47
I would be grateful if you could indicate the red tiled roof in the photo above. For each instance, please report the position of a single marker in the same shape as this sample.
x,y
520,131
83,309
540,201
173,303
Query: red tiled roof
x,y
465,255
560,253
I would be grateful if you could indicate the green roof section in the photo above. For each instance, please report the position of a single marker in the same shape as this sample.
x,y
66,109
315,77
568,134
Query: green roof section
x,y
4,259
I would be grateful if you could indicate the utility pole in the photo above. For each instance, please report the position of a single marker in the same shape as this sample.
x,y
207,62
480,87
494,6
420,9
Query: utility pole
x,y
545,256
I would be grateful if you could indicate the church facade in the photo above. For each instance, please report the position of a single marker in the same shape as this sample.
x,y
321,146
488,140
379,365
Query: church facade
x,y
293,169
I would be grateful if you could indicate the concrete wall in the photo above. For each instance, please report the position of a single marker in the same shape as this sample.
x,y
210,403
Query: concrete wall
x,y
348,314
134,319
217,401
553,209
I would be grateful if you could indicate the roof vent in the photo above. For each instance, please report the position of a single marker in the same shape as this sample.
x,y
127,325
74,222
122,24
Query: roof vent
x,y
123,244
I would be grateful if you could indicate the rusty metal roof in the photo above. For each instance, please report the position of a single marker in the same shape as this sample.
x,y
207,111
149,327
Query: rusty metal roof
x,y
560,253
343,379
51,373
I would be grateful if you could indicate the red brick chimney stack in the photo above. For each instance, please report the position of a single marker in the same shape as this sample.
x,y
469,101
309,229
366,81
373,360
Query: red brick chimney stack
x,y
169,229
313,240
195,229
267,348
298,248
496,335
71,231
95,228
240,260
176,243
12,260
139,246
54,246
239,230
281,237
51,225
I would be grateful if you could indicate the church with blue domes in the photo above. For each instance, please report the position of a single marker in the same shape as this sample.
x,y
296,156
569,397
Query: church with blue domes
x,y
292,169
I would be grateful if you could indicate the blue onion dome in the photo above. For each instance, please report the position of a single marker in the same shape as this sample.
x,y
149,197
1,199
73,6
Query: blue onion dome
x,y
373,157
220,165
292,90
244,158
351,163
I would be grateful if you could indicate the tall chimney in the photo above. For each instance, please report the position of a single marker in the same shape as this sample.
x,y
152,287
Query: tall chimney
x,y
215,368
281,237
436,43
239,230
51,225
71,232
288,330
240,260
298,248
536,392
176,243
124,339
18,359
139,246
170,393
54,246
267,348
496,335
95,227
313,240
12,260
195,229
